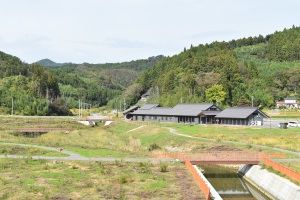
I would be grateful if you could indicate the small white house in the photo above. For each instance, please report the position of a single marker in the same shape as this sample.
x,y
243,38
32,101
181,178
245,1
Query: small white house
x,y
289,102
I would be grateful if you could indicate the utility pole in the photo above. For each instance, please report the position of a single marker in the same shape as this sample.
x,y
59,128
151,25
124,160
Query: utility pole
x,y
252,100
117,106
79,108
12,106
124,103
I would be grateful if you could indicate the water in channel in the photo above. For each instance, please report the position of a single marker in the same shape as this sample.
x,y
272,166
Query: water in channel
x,y
227,183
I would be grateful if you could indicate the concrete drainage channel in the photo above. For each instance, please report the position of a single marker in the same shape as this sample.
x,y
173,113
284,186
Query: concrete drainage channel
x,y
272,185
260,183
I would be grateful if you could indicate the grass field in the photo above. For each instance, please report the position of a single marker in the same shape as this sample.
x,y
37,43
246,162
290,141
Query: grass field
x,y
281,138
118,140
9,149
41,179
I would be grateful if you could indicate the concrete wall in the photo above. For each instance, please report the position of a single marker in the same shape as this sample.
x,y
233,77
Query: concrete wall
x,y
213,193
275,186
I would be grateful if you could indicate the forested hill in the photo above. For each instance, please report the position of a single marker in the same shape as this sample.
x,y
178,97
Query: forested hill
x,y
99,84
28,89
32,89
231,73
49,63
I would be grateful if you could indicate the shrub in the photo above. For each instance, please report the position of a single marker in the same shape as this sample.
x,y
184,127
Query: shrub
x,y
123,179
145,168
163,167
153,147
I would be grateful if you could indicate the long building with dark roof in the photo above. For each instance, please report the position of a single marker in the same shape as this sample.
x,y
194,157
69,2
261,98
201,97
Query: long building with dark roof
x,y
241,116
200,113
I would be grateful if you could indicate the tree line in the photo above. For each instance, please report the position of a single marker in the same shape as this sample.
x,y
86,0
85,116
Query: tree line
x,y
27,89
32,89
265,69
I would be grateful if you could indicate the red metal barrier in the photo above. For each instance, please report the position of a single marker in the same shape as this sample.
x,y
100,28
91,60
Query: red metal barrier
x,y
199,180
285,170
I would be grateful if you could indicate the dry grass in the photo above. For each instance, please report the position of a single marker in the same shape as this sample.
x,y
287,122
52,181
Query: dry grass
x,y
95,180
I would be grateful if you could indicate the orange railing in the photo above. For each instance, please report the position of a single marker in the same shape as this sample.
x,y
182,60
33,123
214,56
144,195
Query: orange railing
x,y
179,156
285,170
219,155
203,186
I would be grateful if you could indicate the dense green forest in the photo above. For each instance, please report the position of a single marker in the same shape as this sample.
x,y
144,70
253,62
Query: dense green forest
x,y
263,68
52,89
28,89
266,69
99,84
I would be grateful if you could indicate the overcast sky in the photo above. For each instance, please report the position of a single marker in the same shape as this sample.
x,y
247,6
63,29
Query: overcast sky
x,y
101,31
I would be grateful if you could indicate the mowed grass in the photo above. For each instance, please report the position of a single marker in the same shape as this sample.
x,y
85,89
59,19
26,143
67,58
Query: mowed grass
x,y
41,179
281,138
136,139
121,139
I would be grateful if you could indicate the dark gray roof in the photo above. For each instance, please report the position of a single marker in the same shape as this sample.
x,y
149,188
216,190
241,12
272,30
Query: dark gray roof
x,y
130,109
149,106
290,98
211,112
154,111
192,109
239,112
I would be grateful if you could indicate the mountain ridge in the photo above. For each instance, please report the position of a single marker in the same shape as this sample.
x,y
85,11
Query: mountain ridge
x,y
46,62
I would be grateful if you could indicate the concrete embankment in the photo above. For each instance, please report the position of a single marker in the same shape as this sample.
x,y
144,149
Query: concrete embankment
x,y
272,185
213,193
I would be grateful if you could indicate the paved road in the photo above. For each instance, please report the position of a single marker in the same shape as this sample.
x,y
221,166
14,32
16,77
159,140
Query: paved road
x,y
273,123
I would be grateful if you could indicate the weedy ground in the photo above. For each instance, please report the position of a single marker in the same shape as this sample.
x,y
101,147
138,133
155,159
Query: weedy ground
x,y
40,179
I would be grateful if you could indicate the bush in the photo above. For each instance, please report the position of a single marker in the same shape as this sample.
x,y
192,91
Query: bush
x,y
153,147
123,179
163,167
145,168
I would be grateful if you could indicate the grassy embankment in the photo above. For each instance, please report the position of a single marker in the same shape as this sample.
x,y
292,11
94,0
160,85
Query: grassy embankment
x,y
116,141
42,179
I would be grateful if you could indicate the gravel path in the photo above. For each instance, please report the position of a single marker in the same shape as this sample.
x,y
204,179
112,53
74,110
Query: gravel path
x,y
75,156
